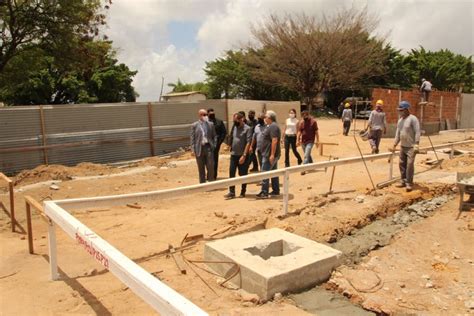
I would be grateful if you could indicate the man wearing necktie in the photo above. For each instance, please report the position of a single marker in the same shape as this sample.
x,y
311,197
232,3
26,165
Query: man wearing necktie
x,y
203,144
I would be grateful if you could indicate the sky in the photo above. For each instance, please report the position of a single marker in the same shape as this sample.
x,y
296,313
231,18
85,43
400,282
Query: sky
x,y
174,38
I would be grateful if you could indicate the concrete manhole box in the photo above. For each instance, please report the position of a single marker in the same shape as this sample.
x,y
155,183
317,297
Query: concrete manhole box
x,y
272,261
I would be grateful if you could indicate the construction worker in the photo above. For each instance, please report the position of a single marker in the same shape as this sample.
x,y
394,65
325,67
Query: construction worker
x,y
425,89
346,118
378,125
408,135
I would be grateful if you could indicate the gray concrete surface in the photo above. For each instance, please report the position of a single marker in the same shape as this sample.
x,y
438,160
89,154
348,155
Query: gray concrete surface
x,y
272,261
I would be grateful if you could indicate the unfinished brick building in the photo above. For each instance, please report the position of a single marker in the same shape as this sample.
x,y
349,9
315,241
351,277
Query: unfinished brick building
x,y
441,113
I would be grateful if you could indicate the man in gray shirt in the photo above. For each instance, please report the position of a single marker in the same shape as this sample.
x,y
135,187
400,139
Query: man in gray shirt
x,y
425,89
378,125
241,139
271,152
408,135
346,119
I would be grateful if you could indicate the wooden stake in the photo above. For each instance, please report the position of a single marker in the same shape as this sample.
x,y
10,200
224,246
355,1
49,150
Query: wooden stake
x,y
150,126
43,133
177,259
12,205
29,229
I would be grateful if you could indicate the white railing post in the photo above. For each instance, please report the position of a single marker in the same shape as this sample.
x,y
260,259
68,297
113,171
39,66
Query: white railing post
x,y
286,191
53,263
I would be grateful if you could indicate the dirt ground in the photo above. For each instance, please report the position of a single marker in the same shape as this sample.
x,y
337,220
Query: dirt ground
x,y
86,288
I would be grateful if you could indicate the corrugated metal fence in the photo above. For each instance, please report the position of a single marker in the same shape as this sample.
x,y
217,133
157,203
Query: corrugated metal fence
x,y
100,133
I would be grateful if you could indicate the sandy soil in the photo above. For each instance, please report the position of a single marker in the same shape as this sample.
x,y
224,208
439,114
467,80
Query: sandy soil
x,y
140,233
428,268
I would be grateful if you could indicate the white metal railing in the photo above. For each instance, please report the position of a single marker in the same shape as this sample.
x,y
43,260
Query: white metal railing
x,y
162,298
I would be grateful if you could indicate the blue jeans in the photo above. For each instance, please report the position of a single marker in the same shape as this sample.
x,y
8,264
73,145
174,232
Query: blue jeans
x,y
307,153
266,166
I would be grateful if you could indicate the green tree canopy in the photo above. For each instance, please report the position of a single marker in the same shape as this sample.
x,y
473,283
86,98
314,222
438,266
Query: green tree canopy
x,y
51,53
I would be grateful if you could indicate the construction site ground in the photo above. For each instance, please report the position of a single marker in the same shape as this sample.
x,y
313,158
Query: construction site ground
x,y
423,266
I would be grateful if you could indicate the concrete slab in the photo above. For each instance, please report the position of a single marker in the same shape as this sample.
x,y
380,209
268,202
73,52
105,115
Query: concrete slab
x,y
272,261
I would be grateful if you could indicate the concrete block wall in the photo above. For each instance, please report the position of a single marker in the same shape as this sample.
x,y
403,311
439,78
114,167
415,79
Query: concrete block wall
x,y
442,106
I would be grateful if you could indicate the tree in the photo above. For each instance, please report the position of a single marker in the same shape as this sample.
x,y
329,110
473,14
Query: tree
x,y
310,55
445,69
230,77
34,77
55,24
179,86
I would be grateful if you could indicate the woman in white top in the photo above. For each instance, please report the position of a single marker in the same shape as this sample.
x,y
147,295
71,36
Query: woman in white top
x,y
291,126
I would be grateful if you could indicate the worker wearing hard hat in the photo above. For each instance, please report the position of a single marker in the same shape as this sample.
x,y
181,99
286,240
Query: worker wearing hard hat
x,y
346,119
408,135
378,126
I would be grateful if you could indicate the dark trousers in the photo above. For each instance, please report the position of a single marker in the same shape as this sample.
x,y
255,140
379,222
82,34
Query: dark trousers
x,y
425,95
243,170
374,138
205,161
290,142
346,126
267,166
259,156
216,158
407,164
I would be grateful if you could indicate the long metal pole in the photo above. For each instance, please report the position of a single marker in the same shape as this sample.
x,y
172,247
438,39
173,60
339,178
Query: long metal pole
x,y
365,164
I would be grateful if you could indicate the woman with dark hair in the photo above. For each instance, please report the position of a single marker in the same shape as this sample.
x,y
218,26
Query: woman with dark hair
x,y
291,128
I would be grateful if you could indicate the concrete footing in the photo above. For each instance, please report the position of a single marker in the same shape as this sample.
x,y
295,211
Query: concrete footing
x,y
272,261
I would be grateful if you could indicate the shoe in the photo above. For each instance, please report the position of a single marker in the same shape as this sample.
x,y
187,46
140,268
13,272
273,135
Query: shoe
x,y
242,195
273,193
254,170
376,151
401,185
229,195
300,162
409,187
303,173
262,195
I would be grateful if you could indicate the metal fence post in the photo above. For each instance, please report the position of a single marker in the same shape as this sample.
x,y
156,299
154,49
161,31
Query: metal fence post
x,y
286,189
53,263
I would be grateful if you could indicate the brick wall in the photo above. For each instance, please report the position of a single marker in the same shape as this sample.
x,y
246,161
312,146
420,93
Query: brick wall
x,y
442,106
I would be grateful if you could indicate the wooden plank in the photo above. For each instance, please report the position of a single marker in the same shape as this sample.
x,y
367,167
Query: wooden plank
x,y
177,259
38,207
43,134
12,205
5,178
194,238
29,228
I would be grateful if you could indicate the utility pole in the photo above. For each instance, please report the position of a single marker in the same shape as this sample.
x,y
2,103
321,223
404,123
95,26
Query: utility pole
x,y
161,92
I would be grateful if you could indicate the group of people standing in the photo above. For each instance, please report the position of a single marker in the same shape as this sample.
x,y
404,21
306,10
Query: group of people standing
x,y
258,141
254,141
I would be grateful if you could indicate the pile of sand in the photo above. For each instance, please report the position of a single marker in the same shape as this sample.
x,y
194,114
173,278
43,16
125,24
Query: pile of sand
x,y
60,172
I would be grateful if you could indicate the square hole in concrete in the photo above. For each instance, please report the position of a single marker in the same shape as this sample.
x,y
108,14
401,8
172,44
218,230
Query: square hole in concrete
x,y
274,249
272,261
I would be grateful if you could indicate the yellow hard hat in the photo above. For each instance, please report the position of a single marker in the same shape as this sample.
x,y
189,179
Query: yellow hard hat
x,y
379,102
347,105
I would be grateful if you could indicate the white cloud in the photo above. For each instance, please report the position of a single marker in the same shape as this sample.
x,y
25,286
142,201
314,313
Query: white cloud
x,y
139,30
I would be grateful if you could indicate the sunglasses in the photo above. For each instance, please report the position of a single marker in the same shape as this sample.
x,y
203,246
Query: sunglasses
x,y
202,114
